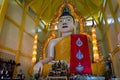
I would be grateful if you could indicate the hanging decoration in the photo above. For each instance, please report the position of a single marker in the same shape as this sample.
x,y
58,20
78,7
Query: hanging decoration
x,y
80,56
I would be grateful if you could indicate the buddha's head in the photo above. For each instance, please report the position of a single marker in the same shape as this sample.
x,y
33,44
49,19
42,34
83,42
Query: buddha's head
x,y
66,21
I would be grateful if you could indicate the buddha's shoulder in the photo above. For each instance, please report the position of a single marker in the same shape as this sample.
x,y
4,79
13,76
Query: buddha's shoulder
x,y
55,40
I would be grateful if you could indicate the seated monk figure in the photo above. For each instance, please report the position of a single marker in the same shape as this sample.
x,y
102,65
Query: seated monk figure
x,y
58,48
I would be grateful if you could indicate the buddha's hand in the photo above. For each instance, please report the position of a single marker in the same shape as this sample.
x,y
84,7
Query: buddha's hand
x,y
38,67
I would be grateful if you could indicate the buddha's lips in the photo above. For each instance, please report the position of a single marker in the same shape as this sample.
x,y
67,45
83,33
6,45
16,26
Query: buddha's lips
x,y
64,26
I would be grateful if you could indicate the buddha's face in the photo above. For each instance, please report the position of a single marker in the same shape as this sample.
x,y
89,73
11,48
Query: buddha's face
x,y
66,24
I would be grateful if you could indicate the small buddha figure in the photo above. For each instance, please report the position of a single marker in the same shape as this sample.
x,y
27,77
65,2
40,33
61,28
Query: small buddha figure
x,y
52,70
63,69
4,73
59,64
20,75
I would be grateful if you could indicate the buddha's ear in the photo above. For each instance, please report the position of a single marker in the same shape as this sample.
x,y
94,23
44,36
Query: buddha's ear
x,y
76,23
75,26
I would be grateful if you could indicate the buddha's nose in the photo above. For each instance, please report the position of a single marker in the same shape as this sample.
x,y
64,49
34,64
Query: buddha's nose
x,y
64,23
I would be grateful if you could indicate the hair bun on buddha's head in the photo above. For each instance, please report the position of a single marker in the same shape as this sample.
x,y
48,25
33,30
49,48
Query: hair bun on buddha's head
x,y
66,11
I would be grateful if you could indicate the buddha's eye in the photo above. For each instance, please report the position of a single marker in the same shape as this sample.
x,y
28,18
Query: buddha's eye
x,y
68,19
60,21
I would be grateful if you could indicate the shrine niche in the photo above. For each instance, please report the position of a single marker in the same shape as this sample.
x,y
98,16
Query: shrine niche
x,y
77,47
53,34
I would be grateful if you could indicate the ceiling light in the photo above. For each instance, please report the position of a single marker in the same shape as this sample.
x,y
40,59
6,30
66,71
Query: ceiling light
x,y
118,19
110,20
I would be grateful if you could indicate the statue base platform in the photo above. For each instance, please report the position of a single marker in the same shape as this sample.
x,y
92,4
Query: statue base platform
x,y
57,77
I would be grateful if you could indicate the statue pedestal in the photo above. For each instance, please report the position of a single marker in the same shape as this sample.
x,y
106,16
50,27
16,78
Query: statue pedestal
x,y
56,77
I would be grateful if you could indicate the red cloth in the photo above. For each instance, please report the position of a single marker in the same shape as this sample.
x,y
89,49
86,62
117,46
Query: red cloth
x,y
80,55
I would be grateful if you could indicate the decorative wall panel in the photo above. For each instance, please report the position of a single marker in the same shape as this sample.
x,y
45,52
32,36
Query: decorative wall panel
x,y
9,36
29,25
27,44
15,12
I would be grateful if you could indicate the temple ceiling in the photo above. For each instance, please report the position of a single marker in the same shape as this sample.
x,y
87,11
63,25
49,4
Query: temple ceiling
x,y
47,9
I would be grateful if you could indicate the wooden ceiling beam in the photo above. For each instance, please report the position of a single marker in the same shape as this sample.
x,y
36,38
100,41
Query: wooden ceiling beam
x,y
80,9
85,5
27,6
44,10
114,16
116,9
91,7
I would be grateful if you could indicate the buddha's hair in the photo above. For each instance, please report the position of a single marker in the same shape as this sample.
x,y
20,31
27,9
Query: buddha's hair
x,y
66,12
